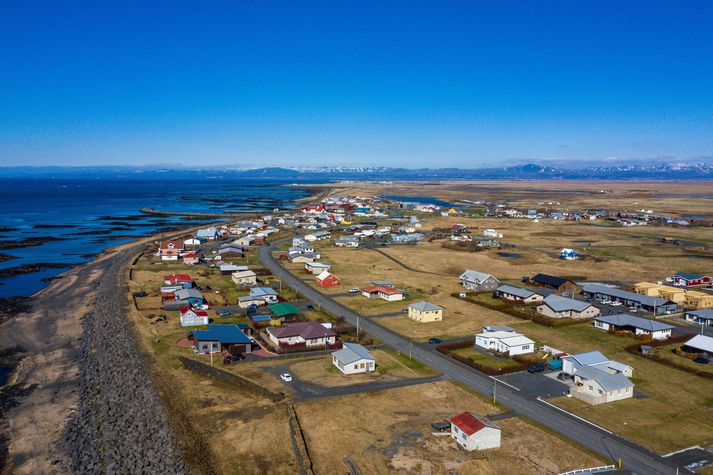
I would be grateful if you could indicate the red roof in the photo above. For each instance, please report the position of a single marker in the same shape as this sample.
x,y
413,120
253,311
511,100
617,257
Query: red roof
x,y
190,255
178,245
177,278
383,289
468,423
199,313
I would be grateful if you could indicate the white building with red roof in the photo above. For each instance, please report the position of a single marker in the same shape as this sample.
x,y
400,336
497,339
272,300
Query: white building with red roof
x,y
381,291
474,432
193,318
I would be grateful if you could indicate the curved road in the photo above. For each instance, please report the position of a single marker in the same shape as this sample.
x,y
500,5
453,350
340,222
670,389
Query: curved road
x,y
634,457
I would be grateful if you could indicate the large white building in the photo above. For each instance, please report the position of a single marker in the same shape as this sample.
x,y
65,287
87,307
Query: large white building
x,y
508,342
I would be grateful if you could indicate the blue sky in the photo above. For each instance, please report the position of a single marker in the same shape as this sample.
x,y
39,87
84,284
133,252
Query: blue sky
x,y
442,83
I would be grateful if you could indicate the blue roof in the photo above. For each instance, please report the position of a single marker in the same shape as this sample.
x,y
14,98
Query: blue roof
x,y
688,275
225,333
260,318
262,291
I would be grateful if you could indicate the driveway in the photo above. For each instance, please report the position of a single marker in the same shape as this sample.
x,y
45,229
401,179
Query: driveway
x,y
534,385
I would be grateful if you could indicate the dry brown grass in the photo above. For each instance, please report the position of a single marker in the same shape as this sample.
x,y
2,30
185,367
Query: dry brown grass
x,y
374,429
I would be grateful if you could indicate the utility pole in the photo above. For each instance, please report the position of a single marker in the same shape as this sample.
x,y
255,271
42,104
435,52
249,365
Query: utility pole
x,y
357,328
495,386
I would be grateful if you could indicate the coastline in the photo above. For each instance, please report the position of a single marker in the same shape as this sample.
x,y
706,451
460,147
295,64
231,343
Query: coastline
x,y
43,389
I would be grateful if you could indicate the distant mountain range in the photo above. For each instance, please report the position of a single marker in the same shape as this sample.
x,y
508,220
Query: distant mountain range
x,y
670,171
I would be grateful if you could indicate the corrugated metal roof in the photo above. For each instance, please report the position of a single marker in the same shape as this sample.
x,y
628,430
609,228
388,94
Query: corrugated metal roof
x,y
352,352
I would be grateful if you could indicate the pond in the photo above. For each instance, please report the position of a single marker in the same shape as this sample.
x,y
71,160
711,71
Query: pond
x,y
4,375
510,255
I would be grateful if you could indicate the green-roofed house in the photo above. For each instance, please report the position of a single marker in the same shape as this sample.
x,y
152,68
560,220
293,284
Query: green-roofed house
x,y
284,311
425,312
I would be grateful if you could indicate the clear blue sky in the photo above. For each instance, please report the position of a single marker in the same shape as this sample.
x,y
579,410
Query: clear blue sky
x,y
441,83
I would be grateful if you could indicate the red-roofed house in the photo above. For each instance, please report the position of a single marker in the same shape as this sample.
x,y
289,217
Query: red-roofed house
x,y
170,250
191,258
326,279
192,318
183,280
475,432
383,292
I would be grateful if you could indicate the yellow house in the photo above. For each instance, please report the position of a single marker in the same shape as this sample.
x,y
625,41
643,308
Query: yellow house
x,y
425,312
698,300
667,292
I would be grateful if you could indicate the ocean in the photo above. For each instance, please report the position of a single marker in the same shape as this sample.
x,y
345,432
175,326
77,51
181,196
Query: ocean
x,y
68,221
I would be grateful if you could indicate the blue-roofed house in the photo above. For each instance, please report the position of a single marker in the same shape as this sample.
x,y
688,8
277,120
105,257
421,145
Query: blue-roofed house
x,y
192,297
217,338
701,317
208,234
556,306
569,254
353,358
268,294
595,359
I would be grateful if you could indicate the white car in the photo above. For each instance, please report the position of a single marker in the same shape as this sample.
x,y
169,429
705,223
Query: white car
x,y
286,377
203,307
354,291
615,304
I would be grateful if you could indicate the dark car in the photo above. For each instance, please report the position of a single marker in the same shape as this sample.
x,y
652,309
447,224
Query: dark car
x,y
536,368
562,376
435,341
701,360
310,307
441,426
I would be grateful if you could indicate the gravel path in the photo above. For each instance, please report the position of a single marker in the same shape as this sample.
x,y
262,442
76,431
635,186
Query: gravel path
x,y
120,425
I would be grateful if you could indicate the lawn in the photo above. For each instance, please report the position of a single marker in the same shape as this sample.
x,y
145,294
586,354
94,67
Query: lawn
x,y
389,431
484,359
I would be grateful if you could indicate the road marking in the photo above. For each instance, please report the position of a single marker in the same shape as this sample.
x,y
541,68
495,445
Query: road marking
x,y
575,416
683,450
506,384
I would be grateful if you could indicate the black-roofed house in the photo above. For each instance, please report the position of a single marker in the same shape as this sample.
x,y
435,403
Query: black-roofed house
x,y
518,294
634,324
550,281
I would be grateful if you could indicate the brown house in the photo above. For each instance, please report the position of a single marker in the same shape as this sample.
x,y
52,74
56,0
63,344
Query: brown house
x,y
550,281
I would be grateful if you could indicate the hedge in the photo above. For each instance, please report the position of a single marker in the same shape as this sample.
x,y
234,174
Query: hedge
x,y
636,349
510,309
447,349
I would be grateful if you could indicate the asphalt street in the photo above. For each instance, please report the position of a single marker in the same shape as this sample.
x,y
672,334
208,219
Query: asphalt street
x,y
634,457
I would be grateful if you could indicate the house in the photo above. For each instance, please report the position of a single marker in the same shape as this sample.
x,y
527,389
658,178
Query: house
x,y
701,317
508,342
316,267
303,334
594,386
193,318
353,358
383,283
248,301
698,300
230,252
569,254
208,234
248,240
558,283
326,279
518,294
630,299
625,322
221,338
387,293
192,242
425,312
170,250
555,306
317,236
226,269
180,280
245,277
478,281
474,432
595,359
491,233
305,257
674,294
347,241
699,344
192,258
284,311
192,297
497,328
268,294
685,279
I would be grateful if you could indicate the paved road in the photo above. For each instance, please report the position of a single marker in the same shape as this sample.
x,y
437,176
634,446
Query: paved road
x,y
634,457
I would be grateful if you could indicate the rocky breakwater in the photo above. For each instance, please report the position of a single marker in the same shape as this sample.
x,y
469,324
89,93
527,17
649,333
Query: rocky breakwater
x,y
120,425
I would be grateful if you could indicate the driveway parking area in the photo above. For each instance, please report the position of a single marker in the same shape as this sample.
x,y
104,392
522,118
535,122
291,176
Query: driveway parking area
x,y
534,385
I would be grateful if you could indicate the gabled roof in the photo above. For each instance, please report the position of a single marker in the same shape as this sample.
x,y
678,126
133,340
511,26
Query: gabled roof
x,y
184,294
178,245
706,313
307,330
588,358
324,274
564,304
382,289
701,342
624,294
224,333
425,306
516,291
262,292
475,276
550,280
628,320
283,309
177,278
689,276
470,423
318,265
497,328
206,232
232,268
352,352
197,313
243,273
608,382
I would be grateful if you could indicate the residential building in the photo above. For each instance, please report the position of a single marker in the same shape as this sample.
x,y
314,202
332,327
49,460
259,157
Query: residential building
x,y
353,358
550,281
701,317
425,312
170,250
698,300
208,234
699,344
221,338
245,277
283,311
268,294
227,269
192,297
656,305
317,236
180,280
569,254
303,334
518,294
510,343
327,279
634,324
193,318
556,306
686,279
595,359
316,267
595,386
674,294
478,281
473,432
382,292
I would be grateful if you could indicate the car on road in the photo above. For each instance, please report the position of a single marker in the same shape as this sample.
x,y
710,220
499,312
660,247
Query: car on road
x,y
536,368
286,377
203,307
224,313
435,341
354,290
310,307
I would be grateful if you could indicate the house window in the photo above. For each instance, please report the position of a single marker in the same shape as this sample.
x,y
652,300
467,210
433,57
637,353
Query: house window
x,y
600,391
463,435
590,387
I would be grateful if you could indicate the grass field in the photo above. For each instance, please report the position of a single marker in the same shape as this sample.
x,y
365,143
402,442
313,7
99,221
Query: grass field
x,y
389,431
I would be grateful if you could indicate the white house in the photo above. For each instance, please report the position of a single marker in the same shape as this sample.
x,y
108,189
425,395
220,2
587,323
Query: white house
x,y
555,306
594,359
595,386
511,343
317,236
245,277
699,344
492,233
208,234
353,358
635,324
479,281
475,432
192,242
192,318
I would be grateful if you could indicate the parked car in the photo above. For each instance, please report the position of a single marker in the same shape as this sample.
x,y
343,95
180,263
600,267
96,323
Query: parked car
x,y
435,341
701,360
286,377
441,426
203,307
232,358
310,307
224,313
354,290
615,304
405,310
563,376
536,368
